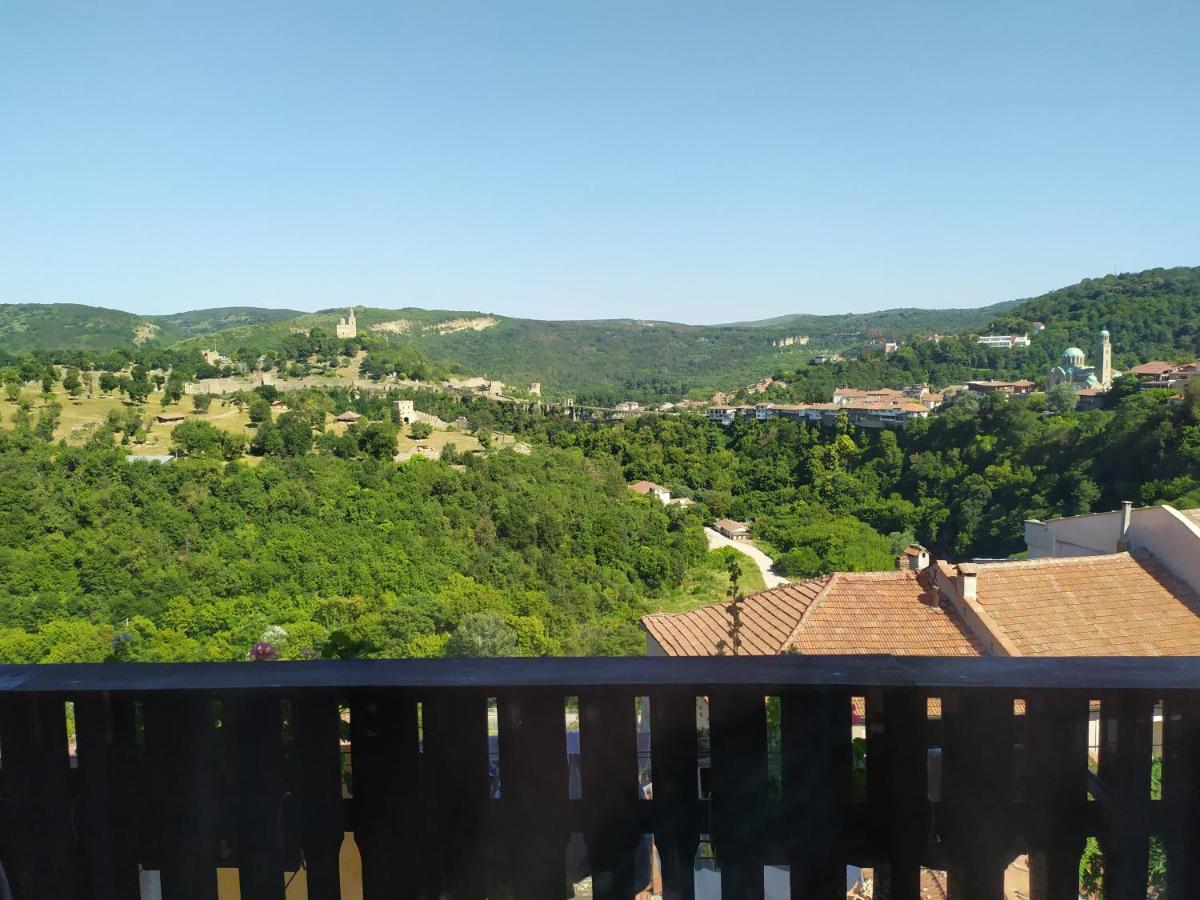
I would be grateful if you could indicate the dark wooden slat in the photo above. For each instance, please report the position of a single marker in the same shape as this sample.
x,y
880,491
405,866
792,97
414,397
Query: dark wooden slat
x,y
897,763
738,722
467,674
817,758
385,761
40,853
772,674
609,774
977,782
1126,734
318,792
1056,763
673,758
181,755
107,754
1181,795
456,754
533,784
252,730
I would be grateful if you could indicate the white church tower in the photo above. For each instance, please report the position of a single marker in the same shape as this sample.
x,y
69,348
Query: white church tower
x,y
347,327
1104,367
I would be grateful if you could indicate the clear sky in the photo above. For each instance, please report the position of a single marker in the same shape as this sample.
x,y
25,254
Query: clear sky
x,y
673,159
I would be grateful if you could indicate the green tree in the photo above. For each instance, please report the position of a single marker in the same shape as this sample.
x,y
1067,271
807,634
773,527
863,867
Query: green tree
x,y
482,633
1062,398
295,433
420,430
259,410
378,440
72,382
201,402
195,437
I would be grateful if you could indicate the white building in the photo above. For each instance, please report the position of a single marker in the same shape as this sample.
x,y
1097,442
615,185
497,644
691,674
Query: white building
x,y
1004,341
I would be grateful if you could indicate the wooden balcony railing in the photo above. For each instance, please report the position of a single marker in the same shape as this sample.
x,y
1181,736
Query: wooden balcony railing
x,y
184,769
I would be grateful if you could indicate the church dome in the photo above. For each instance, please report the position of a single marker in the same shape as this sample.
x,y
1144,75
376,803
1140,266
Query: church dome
x,y
1072,356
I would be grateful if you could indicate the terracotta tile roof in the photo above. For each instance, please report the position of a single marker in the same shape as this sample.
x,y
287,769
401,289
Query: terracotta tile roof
x,y
847,612
1112,605
768,618
731,525
882,612
645,487
1157,367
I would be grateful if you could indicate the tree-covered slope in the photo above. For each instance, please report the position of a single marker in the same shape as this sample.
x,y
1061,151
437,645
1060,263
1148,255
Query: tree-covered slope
x,y
73,326
1151,315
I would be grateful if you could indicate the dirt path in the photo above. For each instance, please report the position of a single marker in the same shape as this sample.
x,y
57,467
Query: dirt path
x,y
764,562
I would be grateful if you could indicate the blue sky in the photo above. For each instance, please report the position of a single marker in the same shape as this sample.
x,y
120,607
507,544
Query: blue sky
x,y
673,159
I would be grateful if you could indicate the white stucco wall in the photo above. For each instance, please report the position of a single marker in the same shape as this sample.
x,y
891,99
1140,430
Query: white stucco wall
x,y
1171,537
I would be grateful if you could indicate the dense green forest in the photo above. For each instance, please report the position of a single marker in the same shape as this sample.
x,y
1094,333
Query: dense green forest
x,y
596,362
73,326
962,482
547,553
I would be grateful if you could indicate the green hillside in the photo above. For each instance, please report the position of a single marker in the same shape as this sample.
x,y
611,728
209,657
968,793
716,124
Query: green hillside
x,y
73,326
1152,315
37,326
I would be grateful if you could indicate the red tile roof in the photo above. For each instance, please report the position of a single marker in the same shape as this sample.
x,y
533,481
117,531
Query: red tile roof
x,y
645,487
1112,605
847,612
1157,367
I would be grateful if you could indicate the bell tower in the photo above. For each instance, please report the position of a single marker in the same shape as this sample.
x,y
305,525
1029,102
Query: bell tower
x,y
1104,359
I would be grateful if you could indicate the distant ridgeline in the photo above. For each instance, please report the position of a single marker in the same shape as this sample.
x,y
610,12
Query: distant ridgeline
x,y
1153,314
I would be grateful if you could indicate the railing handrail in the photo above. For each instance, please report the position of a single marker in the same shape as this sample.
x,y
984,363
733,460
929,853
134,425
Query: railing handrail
x,y
769,673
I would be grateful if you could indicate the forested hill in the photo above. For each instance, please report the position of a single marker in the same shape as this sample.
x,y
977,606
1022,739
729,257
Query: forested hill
x,y
597,361
73,326
1152,315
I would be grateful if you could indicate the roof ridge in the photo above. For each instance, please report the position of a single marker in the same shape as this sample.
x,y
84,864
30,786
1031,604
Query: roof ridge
x,y
813,604
1054,560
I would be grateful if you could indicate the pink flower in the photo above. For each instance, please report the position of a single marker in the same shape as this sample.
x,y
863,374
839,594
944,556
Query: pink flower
x,y
262,652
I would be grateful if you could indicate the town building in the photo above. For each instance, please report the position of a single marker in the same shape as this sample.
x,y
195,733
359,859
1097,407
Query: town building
x,y
535,389
169,418
823,358
880,412
1073,369
732,529
650,489
798,340
349,417
1010,388
1003,341
884,347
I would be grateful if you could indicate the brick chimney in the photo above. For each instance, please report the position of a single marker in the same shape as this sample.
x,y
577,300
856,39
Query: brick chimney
x,y
1126,521
959,587
968,580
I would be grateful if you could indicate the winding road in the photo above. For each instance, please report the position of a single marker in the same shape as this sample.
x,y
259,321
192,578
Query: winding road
x,y
764,562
